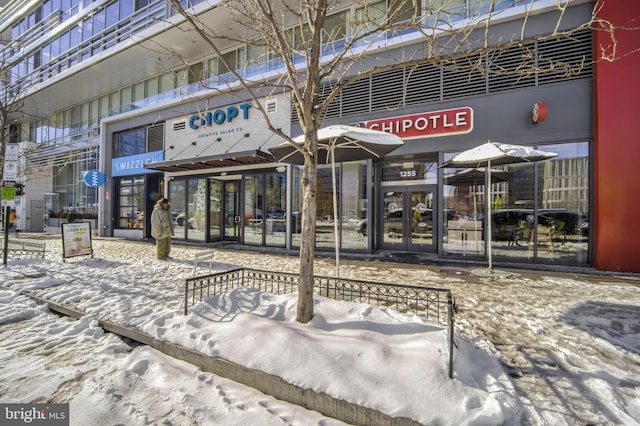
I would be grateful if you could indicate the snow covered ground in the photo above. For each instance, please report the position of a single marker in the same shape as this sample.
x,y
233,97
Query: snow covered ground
x,y
532,349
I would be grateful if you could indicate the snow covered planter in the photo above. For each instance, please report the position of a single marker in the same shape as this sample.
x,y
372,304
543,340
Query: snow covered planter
x,y
431,304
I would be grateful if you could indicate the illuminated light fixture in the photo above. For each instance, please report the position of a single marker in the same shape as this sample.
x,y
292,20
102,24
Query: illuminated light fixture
x,y
281,169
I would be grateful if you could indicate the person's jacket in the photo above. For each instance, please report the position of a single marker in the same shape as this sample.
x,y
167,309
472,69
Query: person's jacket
x,y
161,223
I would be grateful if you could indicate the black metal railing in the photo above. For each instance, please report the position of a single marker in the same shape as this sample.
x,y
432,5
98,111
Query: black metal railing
x,y
432,304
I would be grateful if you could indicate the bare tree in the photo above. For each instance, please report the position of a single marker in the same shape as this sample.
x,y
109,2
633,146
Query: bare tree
x,y
323,52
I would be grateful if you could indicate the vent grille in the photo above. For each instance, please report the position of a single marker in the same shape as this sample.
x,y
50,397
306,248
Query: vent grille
x,y
461,77
423,85
356,98
179,126
513,68
569,58
155,138
389,90
271,106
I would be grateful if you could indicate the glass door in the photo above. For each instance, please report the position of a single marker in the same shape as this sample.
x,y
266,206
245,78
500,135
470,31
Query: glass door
x,y
407,218
232,220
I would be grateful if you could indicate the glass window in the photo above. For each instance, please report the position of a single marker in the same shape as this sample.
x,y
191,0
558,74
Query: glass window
x,y
563,205
138,91
126,9
177,196
99,20
182,77
130,142
197,209
152,86
213,67
335,27
425,171
165,83
94,110
215,215
254,220
112,14
368,18
114,102
540,211
445,11
355,206
275,208
104,106
130,202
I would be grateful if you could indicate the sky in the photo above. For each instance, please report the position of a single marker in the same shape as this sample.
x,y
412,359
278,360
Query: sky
x,y
376,357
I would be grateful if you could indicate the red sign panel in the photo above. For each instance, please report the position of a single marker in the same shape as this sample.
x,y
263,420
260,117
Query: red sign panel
x,y
425,125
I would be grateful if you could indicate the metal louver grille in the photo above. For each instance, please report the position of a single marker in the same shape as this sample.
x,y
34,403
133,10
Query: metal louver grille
x,y
511,68
334,108
565,59
155,138
356,98
423,84
461,77
389,90
532,63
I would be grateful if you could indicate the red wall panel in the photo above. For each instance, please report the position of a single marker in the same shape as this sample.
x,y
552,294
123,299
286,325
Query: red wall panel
x,y
616,215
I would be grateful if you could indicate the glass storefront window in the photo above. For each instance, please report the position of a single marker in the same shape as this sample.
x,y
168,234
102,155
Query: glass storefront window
x,y
352,204
355,206
253,209
264,209
539,210
130,202
177,197
189,208
197,209
215,209
275,206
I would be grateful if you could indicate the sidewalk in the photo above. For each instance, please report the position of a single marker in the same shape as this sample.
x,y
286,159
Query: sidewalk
x,y
570,341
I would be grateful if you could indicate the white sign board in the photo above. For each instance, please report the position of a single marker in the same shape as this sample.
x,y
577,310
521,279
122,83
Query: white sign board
x,y
10,171
76,239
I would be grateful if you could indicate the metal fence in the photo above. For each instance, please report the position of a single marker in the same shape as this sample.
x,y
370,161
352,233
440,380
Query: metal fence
x,y
20,249
431,304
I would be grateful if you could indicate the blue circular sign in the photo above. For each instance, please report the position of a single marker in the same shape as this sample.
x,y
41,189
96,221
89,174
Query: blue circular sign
x,y
94,178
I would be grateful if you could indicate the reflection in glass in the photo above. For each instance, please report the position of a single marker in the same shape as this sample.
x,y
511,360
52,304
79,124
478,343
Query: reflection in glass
x,y
539,210
215,218
352,204
275,205
178,208
253,209
197,210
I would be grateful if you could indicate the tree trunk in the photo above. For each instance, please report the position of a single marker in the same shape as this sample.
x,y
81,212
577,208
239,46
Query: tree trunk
x,y
309,185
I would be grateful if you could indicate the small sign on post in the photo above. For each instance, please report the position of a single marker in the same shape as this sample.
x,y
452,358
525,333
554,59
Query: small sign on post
x,y
76,240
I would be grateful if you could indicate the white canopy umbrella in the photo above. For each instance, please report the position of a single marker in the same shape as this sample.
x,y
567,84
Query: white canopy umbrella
x,y
337,144
488,155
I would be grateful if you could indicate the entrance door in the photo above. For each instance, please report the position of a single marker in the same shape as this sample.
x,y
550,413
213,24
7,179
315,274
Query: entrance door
x,y
232,219
37,216
408,222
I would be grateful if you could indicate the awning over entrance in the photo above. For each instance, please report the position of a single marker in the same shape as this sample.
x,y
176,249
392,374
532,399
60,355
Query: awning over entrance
x,y
220,160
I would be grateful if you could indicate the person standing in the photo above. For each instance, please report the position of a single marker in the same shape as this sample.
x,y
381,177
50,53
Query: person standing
x,y
162,228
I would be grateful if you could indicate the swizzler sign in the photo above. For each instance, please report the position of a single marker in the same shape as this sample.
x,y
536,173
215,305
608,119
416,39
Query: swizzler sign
x,y
425,125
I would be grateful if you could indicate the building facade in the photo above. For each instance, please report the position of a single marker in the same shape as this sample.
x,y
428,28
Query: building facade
x,y
111,125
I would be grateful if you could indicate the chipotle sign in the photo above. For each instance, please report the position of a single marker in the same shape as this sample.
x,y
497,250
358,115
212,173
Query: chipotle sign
x,y
425,125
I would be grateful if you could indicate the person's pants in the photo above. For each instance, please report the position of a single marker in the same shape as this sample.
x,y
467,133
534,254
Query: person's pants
x,y
163,247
